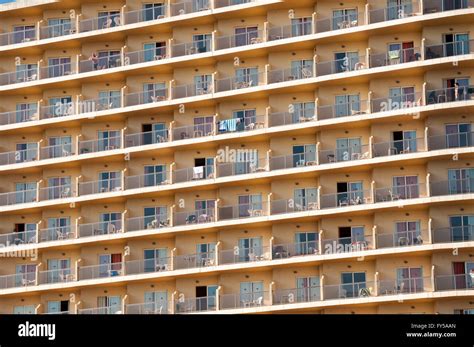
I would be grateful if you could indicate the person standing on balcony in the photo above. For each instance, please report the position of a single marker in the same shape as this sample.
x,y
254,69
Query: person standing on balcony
x,y
95,60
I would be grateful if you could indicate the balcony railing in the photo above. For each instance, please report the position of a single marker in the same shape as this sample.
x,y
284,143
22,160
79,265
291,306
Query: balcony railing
x,y
101,310
148,222
189,48
100,145
400,239
454,234
241,167
56,276
56,233
453,140
434,6
195,217
20,156
146,138
18,238
455,282
296,295
243,211
100,228
100,271
100,186
452,187
411,285
244,300
241,82
141,266
293,205
190,261
355,243
284,75
146,97
287,118
452,94
194,174
186,91
393,103
402,192
349,290
289,250
355,108
240,39
193,305
147,180
244,255
382,149
404,10
335,200
149,308
289,31
56,151
18,280
406,55
338,155
347,64
448,49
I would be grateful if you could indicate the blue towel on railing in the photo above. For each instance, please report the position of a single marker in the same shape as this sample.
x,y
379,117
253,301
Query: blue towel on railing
x,y
228,124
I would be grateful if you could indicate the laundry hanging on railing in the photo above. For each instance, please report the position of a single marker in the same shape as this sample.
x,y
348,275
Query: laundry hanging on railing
x,y
228,124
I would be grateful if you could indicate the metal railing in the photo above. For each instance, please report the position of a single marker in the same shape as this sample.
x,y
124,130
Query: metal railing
x,y
100,228
402,192
382,149
244,255
401,56
289,250
404,10
349,290
347,64
243,211
400,239
454,234
400,286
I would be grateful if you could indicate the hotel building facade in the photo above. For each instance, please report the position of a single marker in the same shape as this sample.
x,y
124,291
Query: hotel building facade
x,y
236,156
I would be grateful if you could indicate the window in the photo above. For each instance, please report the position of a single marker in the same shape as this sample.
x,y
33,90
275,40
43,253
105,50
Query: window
x,y
303,110
407,233
405,187
350,193
59,27
60,106
203,168
344,18
351,236
456,44
26,112
59,66
26,72
352,283
108,59
109,304
153,92
245,117
154,133
155,175
110,265
345,61
59,187
203,84
24,33
110,222
400,52
110,181
399,9
400,98
347,105
27,309
58,270
251,293
58,307
301,26
203,126
205,254
58,228
25,233
25,274
250,205
155,217
25,192
246,77
308,289
245,162
205,299
410,280
305,198
301,69
108,19
461,181
109,99
26,152
458,135
153,11
59,146
348,148
156,302
461,228
155,259
201,43
108,139
204,211
304,154
250,248
154,51
306,243
245,36
403,142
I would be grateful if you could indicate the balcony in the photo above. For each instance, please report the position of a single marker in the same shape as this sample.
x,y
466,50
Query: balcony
x,y
401,56
400,239
18,280
244,255
448,95
452,187
56,233
455,282
198,216
194,305
148,308
106,270
349,290
412,285
100,186
405,10
99,228
454,234
448,49
355,243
